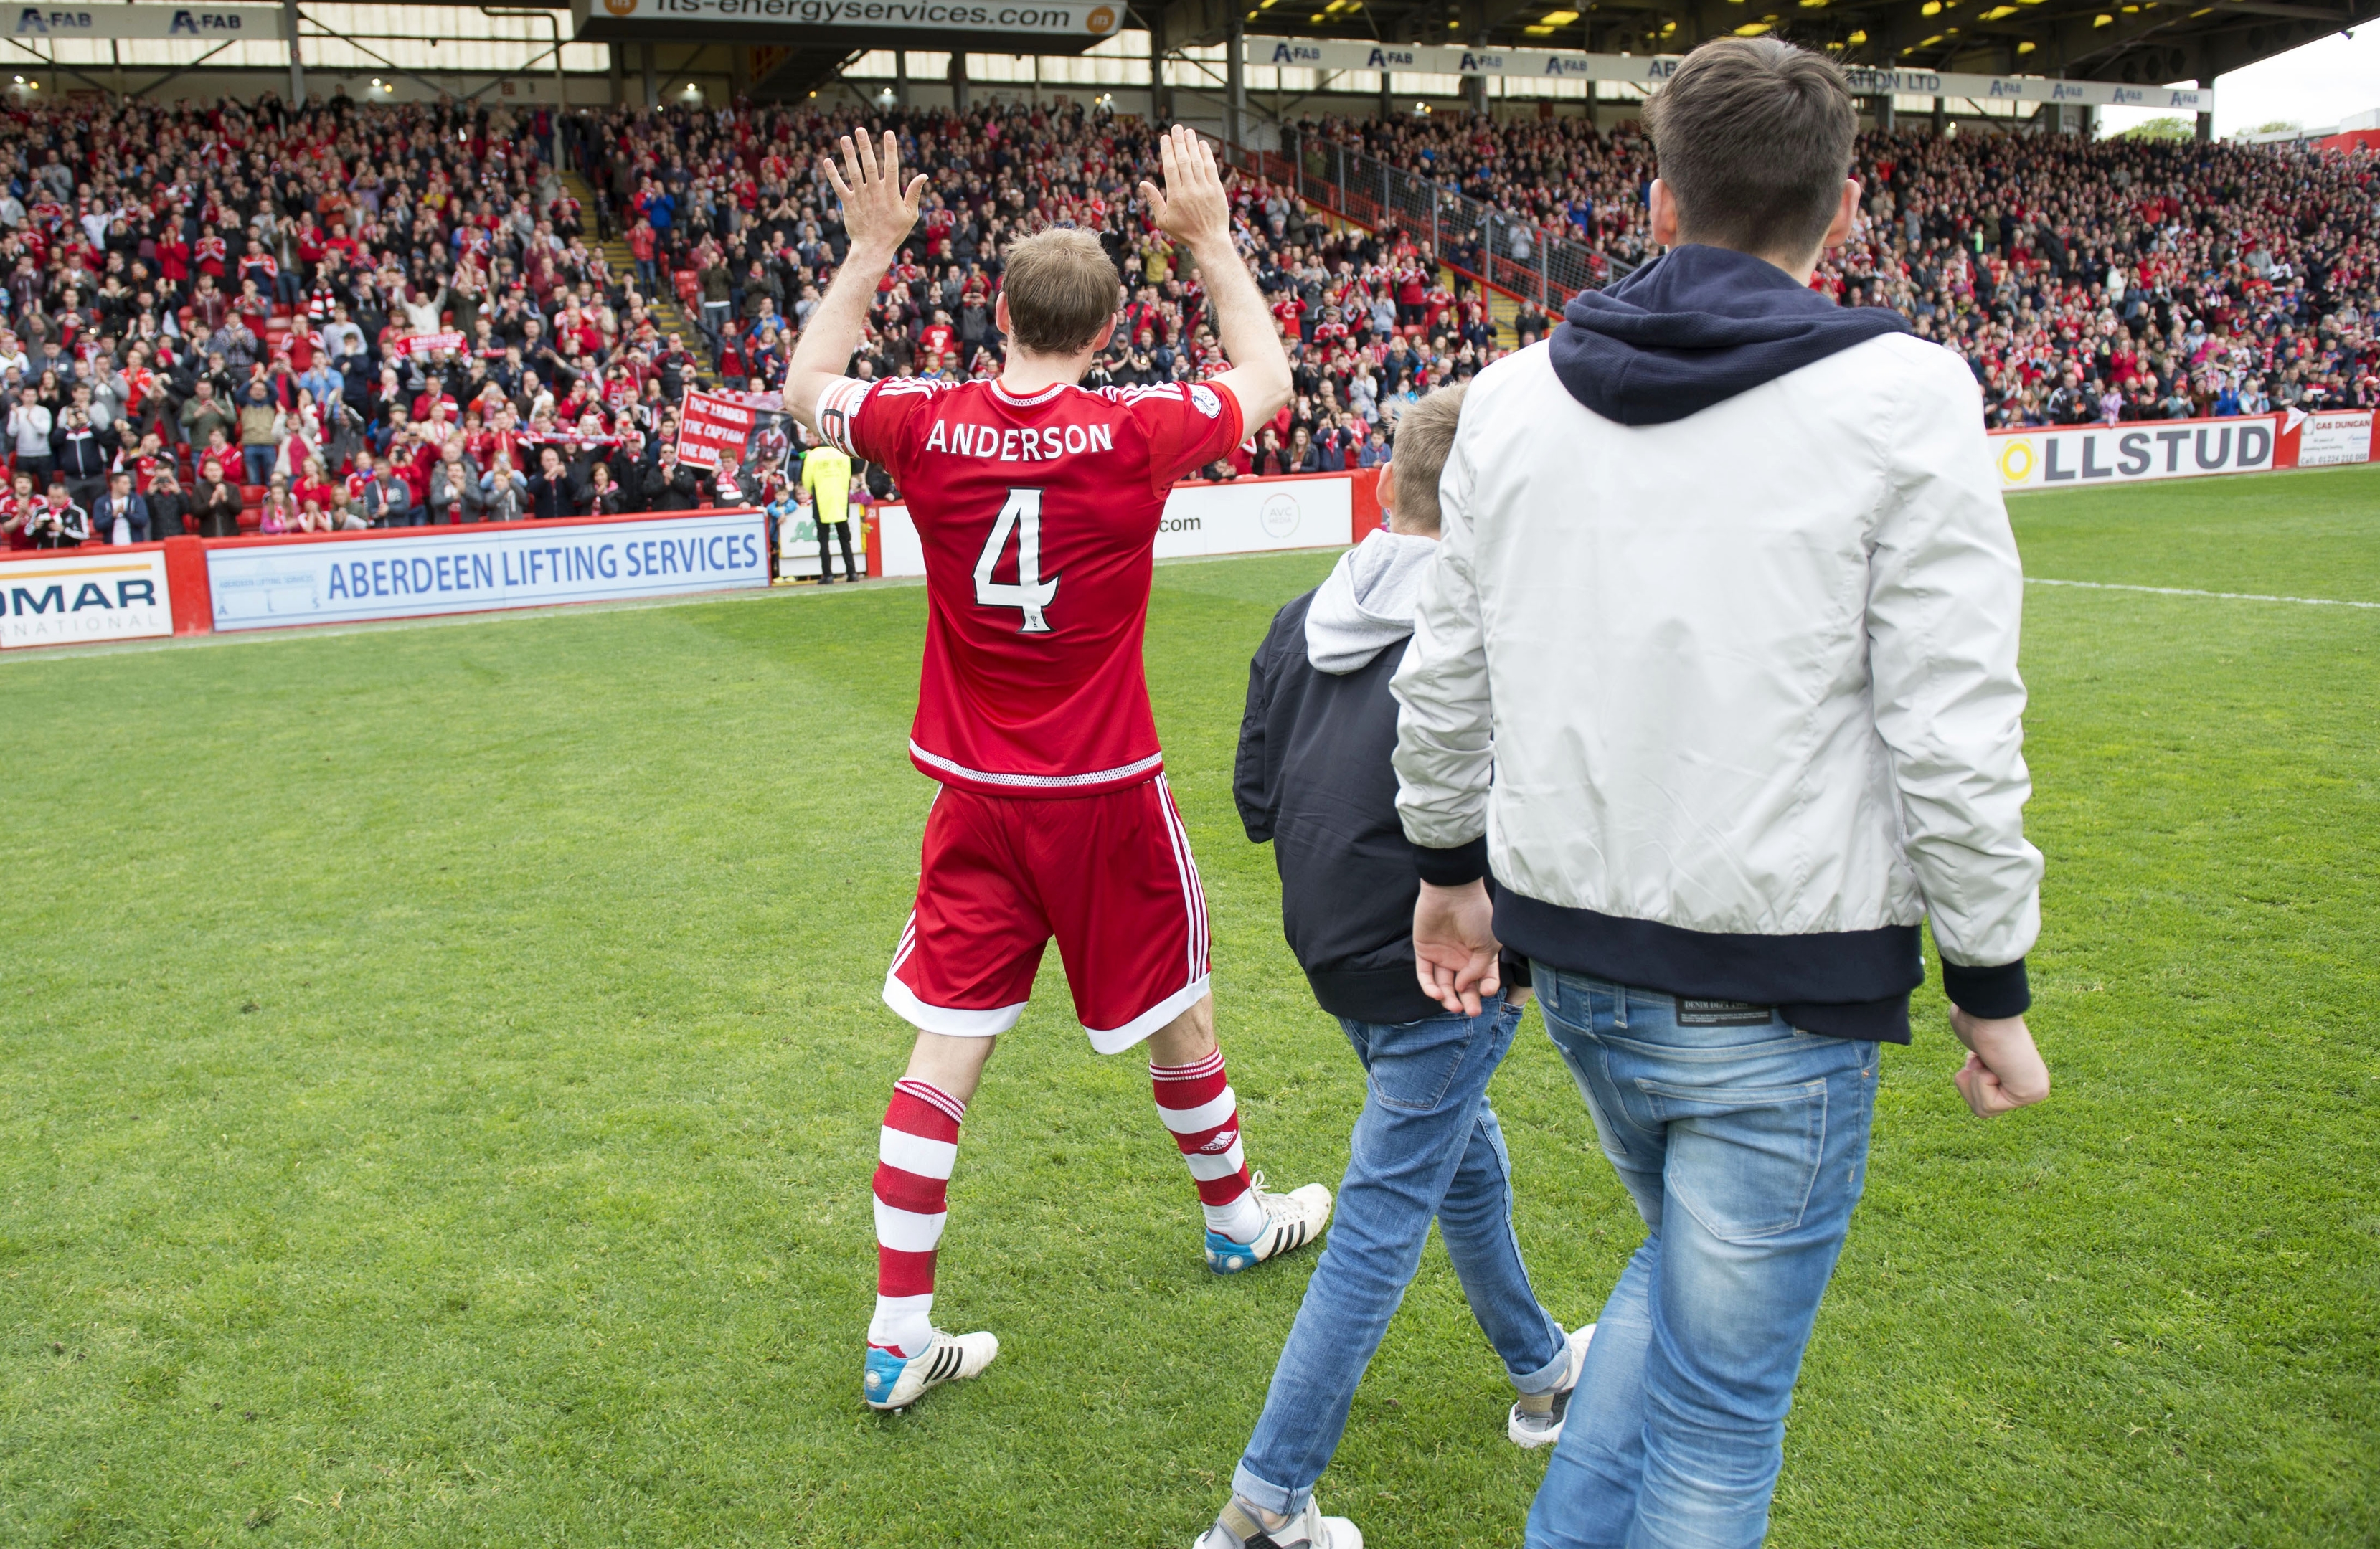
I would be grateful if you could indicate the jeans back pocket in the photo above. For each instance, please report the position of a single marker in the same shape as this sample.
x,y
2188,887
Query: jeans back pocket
x,y
1742,1159
1414,1064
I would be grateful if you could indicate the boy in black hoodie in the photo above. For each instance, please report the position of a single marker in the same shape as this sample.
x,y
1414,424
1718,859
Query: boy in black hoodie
x,y
1314,778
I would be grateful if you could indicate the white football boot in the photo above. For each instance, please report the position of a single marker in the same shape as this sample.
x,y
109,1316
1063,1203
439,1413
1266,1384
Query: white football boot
x,y
889,1382
1537,1419
1292,1221
1240,1528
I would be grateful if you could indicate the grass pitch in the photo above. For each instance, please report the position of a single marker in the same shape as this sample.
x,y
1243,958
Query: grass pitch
x,y
440,1070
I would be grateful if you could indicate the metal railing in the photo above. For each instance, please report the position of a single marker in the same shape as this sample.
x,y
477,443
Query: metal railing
x,y
1465,234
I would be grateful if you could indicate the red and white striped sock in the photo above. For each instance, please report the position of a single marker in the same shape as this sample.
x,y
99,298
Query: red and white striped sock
x,y
1197,1103
914,1153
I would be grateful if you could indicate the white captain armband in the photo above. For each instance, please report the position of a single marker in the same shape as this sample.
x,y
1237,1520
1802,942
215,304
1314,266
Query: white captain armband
x,y
838,406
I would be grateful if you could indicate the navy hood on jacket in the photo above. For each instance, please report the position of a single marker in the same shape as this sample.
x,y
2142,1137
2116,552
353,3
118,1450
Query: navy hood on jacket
x,y
1695,327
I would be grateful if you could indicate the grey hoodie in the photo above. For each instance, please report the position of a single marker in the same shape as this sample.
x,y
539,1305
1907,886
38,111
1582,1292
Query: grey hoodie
x,y
1368,603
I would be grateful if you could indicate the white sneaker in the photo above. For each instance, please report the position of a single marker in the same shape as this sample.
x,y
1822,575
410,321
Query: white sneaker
x,y
1292,1221
889,1382
1537,1419
1240,1528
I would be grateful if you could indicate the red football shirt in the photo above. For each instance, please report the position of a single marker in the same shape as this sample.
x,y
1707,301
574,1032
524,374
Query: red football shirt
x,y
1039,519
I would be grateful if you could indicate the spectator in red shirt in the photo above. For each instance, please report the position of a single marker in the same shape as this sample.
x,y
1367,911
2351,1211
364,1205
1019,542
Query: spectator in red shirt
x,y
312,484
17,511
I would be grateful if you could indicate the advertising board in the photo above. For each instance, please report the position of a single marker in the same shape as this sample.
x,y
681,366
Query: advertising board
x,y
2069,457
1246,517
425,571
1066,26
1651,70
1253,515
174,23
797,545
84,595
2335,438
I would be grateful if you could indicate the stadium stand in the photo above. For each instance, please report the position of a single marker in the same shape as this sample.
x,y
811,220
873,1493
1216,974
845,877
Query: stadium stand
x,y
389,314
2082,280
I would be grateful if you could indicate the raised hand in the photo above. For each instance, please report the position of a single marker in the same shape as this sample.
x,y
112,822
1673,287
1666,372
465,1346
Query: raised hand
x,y
878,212
1192,205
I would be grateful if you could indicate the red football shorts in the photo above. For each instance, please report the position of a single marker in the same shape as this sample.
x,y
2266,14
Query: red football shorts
x,y
1109,875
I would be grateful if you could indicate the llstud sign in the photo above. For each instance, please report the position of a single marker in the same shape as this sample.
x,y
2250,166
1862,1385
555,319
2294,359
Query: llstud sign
x,y
2069,457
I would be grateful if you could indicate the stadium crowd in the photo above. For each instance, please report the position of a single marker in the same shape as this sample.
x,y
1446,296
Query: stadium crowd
x,y
249,320
2082,280
233,319
736,221
263,322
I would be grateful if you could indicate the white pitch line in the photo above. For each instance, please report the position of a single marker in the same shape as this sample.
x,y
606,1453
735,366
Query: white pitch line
x,y
2190,591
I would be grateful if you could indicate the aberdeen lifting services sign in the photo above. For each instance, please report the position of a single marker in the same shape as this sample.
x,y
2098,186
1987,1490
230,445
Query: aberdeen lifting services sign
x,y
423,571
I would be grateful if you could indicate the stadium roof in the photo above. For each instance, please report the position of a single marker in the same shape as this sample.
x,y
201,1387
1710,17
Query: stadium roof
x,y
2148,42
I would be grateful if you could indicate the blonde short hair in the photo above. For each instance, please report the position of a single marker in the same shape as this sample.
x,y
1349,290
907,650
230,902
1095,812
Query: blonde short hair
x,y
1060,290
1425,435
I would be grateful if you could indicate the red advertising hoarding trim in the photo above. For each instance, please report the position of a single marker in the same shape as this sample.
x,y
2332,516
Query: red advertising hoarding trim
x,y
374,534
186,586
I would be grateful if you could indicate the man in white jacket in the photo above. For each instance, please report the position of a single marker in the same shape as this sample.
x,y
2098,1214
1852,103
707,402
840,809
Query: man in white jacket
x,y
1727,602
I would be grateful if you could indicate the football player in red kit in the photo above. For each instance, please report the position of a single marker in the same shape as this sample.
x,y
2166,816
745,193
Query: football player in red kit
x,y
1038,504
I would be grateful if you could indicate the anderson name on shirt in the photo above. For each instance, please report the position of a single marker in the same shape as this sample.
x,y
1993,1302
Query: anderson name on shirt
x,y
840,405
1014,445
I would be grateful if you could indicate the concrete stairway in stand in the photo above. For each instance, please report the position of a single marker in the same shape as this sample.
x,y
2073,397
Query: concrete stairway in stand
x,y
668,316
1503,311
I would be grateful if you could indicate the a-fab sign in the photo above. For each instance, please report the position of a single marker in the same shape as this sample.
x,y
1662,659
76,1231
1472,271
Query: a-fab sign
x,y
144,21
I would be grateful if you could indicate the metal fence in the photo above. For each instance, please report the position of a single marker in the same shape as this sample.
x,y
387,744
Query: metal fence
x,y
1465,234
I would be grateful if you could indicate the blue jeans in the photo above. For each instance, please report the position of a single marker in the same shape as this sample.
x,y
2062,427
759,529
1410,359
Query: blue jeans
x,y
1426,1145
1758,1135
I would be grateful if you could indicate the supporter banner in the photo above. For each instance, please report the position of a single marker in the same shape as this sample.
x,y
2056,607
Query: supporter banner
x,y
84,595
751,429
423,344
218,23
1083,21
1652,70
465,570
2070,455
2332,438
1246,517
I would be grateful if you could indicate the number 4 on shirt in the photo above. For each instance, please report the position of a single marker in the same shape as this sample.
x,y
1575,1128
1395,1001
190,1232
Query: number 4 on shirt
x,y
1021,516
